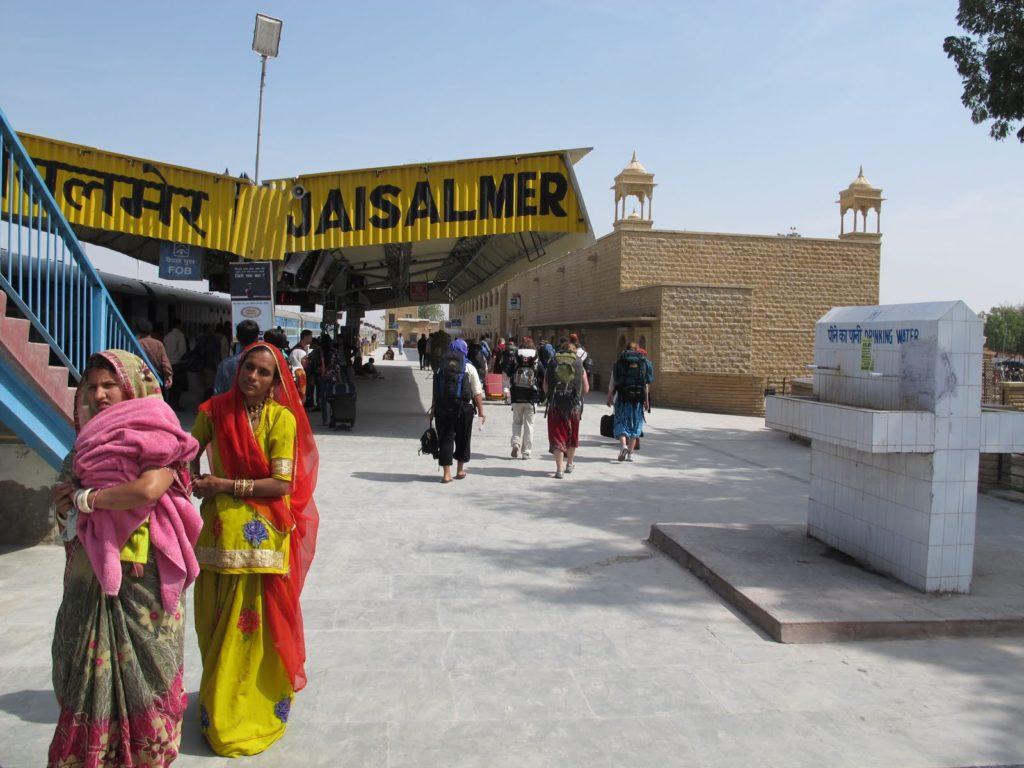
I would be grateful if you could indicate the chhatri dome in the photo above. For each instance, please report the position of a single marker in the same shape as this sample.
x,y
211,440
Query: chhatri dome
x,y
633,181
860,181
860,197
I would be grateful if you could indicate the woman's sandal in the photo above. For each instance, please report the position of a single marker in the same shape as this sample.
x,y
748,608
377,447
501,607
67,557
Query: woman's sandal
x,y
446,479
460,476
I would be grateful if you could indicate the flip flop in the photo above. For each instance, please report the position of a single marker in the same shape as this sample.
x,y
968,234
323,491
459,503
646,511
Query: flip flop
x,y
446,479
460,476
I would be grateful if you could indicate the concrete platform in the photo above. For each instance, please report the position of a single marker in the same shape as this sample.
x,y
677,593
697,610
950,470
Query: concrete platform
x,y
511,620
799,590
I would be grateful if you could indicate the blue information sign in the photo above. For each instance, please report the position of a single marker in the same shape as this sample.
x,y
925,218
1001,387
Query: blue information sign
x,y
180,262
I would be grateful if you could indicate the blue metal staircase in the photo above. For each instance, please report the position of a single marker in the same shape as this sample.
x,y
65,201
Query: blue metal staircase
x,y
54,309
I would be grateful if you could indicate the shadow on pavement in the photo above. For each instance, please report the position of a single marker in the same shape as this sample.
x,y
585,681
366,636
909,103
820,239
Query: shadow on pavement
x,y
31,706
395,477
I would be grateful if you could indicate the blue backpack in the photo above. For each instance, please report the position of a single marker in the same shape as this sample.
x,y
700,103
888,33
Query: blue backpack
x,y
450,392
631,377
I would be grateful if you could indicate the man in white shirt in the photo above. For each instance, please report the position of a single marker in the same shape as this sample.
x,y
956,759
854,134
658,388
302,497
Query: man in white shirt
x,y
297,355
176,346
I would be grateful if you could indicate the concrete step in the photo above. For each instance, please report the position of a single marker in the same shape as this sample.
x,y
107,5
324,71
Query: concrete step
x,y
34,360
67,401
14,335
37,360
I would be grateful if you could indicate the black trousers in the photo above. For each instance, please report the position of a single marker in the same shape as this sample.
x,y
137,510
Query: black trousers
x,y
424,359
454,432
173,395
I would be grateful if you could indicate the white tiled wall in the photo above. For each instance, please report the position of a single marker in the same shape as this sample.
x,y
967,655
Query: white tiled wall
x,y
861,428
1002,431
891,485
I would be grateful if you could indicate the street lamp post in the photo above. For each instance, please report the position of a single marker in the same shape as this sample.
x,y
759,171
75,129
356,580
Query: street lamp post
x,y
266,37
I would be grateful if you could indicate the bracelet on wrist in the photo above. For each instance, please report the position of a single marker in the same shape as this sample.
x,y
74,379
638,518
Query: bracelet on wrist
x,y
243,488
80,500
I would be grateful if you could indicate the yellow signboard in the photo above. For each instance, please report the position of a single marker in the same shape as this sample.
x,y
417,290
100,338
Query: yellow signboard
x,y
425,202
346,209
114,192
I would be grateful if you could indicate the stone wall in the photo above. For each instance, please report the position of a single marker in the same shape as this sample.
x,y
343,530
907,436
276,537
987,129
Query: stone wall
x,y
720,314
793,282
719,393
706,328
1012,394
25,488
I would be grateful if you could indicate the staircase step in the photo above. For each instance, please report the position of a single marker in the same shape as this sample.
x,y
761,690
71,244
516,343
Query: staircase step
x,y
33,360
37,360
57,385
67,401
14,335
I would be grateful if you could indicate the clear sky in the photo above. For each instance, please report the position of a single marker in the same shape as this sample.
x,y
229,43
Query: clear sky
x,y
752,115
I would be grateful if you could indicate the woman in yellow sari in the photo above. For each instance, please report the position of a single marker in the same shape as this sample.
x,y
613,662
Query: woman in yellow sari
x,y
258,539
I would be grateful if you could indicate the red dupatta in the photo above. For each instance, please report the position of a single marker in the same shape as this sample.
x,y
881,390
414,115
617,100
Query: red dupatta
x,y
242,457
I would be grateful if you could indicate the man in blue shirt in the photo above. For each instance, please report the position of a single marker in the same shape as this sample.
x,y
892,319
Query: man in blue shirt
x,y
246,332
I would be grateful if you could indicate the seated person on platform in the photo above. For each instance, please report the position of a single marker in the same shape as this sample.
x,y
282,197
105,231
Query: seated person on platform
x,y
369,369
389,355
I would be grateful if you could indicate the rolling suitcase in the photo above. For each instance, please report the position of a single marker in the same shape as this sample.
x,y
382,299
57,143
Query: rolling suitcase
x,y
494,387
343,410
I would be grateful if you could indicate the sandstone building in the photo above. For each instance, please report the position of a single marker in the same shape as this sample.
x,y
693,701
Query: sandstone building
x,y
722,316
406,321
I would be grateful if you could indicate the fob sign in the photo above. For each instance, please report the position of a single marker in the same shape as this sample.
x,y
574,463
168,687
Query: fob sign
x,y
179,261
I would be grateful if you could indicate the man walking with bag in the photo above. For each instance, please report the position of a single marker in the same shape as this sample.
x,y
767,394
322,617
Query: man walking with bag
x,y
457,394
525,376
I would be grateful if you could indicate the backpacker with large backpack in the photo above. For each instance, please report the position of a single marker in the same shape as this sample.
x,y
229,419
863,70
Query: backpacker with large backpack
x,y
564,382
477,358
544,354
524,382
507,358
631,377
451,390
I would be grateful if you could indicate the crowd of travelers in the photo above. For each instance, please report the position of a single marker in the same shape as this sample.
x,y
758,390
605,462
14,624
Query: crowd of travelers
x,y
530,375
135,542
324,368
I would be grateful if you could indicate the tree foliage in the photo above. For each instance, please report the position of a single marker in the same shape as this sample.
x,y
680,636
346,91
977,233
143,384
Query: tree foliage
x,y
1004,329
431,312
990,60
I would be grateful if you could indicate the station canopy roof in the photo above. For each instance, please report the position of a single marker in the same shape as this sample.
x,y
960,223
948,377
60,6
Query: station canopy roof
x,y
375,237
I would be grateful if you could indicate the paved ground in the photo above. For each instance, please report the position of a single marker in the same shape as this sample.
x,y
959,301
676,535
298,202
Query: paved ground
x,y
511,619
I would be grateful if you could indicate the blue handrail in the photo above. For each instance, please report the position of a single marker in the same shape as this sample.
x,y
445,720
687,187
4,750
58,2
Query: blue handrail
x,y
45,271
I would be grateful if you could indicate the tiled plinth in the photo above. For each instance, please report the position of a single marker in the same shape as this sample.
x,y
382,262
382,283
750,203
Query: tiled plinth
x,y
800,591
852,427
896,429
890,511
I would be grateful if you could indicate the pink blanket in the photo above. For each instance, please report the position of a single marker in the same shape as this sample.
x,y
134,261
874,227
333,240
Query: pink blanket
x,y
116,446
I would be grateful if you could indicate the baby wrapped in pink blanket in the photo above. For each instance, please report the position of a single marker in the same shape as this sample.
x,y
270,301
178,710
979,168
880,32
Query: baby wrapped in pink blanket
x,y
117,446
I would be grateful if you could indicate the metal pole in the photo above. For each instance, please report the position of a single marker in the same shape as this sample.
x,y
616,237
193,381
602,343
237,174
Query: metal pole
x,y
259,120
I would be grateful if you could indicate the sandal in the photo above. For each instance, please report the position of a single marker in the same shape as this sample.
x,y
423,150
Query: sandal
x,y
460,476
446,479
